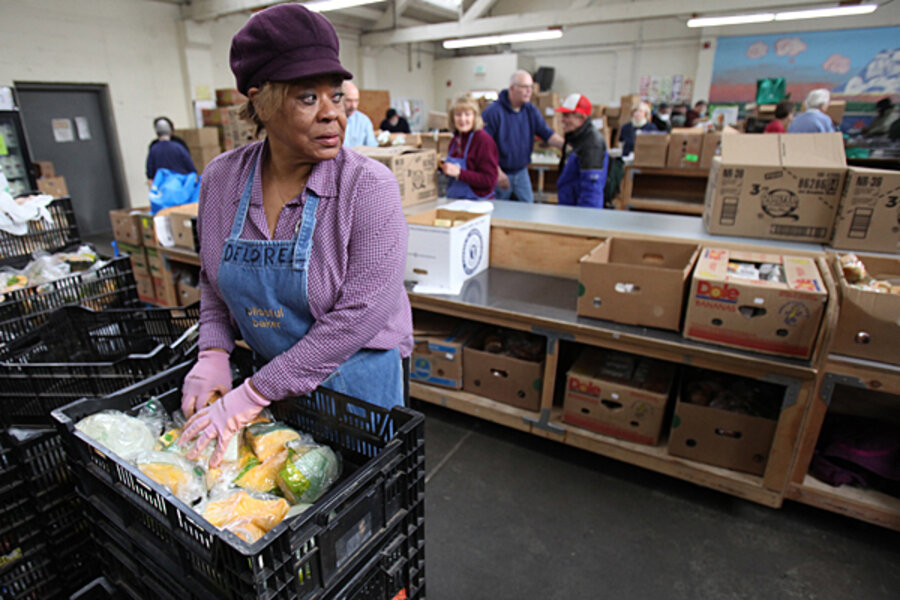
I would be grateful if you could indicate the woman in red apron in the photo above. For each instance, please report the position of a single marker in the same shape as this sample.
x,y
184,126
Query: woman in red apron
x,y
302,242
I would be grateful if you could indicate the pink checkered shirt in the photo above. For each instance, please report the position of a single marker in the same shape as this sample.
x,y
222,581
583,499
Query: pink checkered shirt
x,y
356,268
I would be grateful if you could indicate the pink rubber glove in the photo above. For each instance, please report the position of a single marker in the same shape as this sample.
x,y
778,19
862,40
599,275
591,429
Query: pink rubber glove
x,y
212,373
222,419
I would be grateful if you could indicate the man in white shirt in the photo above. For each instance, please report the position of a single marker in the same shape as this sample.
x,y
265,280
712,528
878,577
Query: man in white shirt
x,y
359,130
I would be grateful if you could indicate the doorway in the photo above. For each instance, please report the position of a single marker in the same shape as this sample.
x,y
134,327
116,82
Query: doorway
x,y
71,125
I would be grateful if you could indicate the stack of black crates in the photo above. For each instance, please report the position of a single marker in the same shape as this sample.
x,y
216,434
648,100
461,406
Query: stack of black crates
x,y
82,335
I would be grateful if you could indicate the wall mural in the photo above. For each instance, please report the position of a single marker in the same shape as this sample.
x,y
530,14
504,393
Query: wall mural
x,y
860,66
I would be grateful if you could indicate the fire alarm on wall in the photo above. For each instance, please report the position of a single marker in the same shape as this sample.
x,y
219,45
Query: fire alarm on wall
x,y
707,45
449,83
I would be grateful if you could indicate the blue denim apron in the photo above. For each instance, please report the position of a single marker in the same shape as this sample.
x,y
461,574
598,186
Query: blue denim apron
x,y
264,283
458,189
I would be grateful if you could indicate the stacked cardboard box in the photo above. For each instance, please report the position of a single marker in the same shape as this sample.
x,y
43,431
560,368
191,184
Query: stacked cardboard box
x,y
203,144
229,97
237,132
651,149
869,213
414,168
126,226
439,142
183,223
49,182
685,148
437,356
506,366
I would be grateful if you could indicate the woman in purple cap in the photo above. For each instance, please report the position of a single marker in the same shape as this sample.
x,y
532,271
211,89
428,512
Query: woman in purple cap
x,y
302,241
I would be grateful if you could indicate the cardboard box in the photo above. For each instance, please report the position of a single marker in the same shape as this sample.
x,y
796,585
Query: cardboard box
x,y
547,103
555,123
183,222
445,257
712,146
618,394
216,116
402,139
765,316
155,262
782,187
720,437
203,155
138,258
835,110
627,104
44,168
126,226
437,356
54,186
502,378
651,149
237,132
202,136
145,289
685,148
437,120
598,111
187,293
165,288
869,322
869,214
415,170
229,97
639,282
148,230
439,142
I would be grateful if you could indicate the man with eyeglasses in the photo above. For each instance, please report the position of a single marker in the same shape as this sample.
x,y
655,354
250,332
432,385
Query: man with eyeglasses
x,y
513,121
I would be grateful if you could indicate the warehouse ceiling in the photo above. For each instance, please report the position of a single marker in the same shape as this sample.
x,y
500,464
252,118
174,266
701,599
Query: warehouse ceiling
x,y
392,22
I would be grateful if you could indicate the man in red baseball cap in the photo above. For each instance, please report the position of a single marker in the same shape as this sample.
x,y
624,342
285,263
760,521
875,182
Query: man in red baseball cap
x,y
582,171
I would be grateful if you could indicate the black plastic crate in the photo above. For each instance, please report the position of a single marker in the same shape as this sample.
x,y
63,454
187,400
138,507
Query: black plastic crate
x,y
41,459
109,286
99,588
79,353
30,578
62,232
383,478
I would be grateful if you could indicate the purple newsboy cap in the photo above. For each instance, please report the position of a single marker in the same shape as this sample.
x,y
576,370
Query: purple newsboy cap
x,y
282,43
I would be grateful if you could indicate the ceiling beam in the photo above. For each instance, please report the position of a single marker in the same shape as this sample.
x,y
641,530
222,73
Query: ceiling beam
x,y
204,10
609,13
477,10
391,16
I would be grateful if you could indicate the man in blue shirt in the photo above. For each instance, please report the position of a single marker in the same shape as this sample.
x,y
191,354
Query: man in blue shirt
x,y
513,122
359,130
166,154
814,119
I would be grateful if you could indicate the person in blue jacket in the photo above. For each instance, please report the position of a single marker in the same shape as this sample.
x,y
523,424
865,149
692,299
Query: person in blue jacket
x,y
513,122
582,172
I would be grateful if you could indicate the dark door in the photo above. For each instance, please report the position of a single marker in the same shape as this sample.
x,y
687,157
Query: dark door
x,y
84,151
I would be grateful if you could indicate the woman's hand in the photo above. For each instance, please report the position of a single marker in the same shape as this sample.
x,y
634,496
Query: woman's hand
x,y
450,169
222,419
211,374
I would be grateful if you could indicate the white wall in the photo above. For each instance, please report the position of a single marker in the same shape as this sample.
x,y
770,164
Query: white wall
x,y
132,46
454,76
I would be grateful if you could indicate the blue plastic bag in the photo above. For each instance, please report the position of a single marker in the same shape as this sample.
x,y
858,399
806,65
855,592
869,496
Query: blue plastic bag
x,y
173,189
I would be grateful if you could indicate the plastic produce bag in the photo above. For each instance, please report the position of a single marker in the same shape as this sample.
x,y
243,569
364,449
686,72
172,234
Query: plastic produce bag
x,y
262,476
185,479
248,516
308,472
173,189
46,267
268,439
123,434
15,213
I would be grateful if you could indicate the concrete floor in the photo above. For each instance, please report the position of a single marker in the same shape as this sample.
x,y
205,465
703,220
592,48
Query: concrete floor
x,y
509,515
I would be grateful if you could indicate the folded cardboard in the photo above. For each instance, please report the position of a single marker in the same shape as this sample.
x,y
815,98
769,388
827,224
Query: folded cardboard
x,y
638,282
53,186
685,148
145,290
183,222
126,226
869,215
502,378
618,394
868,321
720,437
784,187
651,149
414,168
444,257
438,343
774,317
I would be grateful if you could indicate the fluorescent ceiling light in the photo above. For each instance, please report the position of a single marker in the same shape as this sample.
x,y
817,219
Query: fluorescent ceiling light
x,y
731,20
507,38
326,5
834,11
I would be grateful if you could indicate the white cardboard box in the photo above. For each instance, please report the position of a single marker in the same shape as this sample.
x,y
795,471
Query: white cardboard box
x,y
441,258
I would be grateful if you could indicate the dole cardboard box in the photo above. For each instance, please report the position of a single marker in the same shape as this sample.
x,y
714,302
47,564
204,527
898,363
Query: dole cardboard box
x,y
126,226
726,306
414,168
651,149
503,375
639,282
448,245
781,187
869,215
685,148
618,394
869,321
438,342
725,420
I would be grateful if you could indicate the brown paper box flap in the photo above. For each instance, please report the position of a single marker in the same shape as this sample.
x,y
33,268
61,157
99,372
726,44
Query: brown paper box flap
x,y
812,150
752,149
